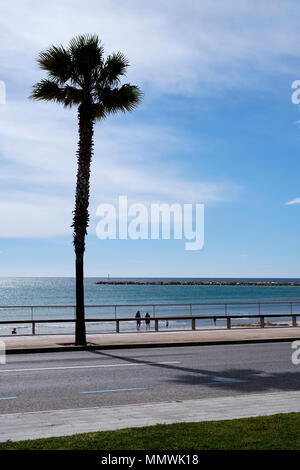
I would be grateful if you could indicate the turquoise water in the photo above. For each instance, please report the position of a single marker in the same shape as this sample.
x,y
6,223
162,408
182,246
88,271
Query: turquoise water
x,y
61,292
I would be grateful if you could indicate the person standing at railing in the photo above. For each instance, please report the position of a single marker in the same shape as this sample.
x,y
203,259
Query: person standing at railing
x,y
138,320
147,321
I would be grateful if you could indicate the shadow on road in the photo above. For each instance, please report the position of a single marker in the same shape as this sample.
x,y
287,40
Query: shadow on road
x,y
226,378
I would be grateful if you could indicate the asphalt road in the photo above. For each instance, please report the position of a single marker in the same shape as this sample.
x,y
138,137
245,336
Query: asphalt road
x,y
53,381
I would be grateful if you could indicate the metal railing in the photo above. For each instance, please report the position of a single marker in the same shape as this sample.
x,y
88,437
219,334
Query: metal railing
x,y
112,313
224,306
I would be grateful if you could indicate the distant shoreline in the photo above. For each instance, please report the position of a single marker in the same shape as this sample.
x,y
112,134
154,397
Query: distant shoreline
x,y
202,283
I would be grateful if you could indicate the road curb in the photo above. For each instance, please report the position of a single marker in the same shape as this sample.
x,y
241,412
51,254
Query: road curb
x,y
144,345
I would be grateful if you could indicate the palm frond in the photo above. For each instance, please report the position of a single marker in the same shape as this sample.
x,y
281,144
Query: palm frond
x,y
87,55
114,67
71,95
112,100
57,62
47,90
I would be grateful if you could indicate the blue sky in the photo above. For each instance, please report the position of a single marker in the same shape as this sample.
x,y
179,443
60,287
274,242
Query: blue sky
x,y
216,126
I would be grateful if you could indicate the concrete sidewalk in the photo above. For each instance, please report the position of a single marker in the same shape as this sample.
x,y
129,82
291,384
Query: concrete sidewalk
x,y
34,425
52,343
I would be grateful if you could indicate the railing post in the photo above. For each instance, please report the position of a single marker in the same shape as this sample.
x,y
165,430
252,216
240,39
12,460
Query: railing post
x,y
226,310
262,322
156,324
294,320
33,325
117,326
228,322
193,324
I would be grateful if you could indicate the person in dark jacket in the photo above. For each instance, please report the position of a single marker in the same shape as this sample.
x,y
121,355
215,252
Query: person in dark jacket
x,y
138,320
147,321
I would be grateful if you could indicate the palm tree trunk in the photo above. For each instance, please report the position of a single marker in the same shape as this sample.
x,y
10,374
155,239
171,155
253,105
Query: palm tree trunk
x,y
81,214
80,333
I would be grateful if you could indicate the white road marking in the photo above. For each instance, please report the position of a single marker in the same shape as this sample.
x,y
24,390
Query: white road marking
x,y
114,390
86,367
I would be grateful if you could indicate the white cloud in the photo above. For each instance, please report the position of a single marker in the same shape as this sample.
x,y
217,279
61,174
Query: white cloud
x,y
34,216
38,169
174,46
293,201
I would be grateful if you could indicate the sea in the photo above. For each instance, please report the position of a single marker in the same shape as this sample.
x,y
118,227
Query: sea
x,y
36,298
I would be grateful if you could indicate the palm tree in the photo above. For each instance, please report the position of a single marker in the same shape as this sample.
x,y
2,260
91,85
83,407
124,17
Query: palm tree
x,y
79,75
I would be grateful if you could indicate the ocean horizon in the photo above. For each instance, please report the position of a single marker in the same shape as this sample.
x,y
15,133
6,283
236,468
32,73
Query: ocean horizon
x,y
28,291
21,297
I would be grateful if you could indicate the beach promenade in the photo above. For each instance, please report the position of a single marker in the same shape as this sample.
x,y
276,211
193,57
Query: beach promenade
x,y
208,336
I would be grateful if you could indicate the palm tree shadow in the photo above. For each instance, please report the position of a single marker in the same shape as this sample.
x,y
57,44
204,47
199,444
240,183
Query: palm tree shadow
x,y
239,380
